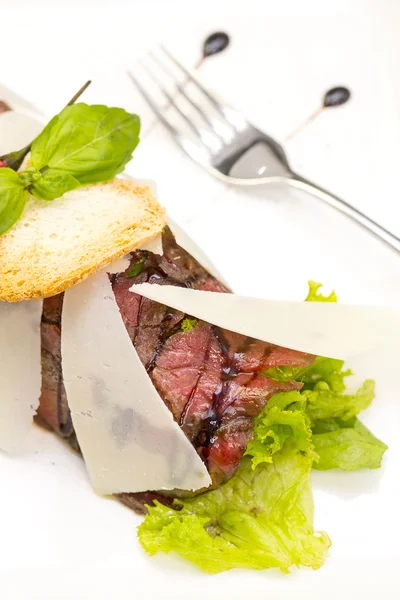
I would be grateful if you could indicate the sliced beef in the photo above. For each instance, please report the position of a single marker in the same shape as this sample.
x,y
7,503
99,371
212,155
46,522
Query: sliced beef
x,y
4,107
191,273
140,500
211,379
212,400
187,372
53,408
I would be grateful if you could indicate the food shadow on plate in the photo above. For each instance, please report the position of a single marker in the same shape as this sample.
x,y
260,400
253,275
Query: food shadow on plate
x,y
177,566
348,485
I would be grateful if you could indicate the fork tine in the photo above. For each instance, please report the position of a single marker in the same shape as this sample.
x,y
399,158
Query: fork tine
x,y
172,101
193,79
159,114
182,91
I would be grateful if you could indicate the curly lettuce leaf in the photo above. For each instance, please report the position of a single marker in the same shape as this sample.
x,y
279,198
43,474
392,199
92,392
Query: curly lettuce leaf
x,y
329,370
261,518
315,296
283,419
346,445
324,403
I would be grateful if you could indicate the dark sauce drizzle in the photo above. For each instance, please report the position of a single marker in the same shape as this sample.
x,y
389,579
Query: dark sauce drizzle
x,y
335,96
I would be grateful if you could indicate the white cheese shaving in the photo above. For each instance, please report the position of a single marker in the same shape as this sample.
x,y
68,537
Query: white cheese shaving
x,y
186,242
128,437
119,266
323,328
182,238
20,370
154,245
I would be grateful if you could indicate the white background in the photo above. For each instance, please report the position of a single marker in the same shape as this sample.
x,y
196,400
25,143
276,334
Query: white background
x,y
57,539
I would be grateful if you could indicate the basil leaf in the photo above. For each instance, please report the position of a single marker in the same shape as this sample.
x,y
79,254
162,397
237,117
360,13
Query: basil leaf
x,y
91,143
30,177
13,198
54,185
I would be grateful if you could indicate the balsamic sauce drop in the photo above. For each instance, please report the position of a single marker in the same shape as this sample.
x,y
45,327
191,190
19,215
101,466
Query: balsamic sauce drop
x,y
333,97
215,43
336,96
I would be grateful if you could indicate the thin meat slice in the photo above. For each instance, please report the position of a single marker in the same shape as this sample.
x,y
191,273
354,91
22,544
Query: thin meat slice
x,y
199,406
254,355
4,107
251,398
229,391
128,303
152,315
52,309
53,407
179,366
191,272
226,452
285,357
140,500
244,400
248,394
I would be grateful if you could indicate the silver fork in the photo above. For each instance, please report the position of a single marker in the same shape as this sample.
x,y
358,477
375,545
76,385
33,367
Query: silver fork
x,y
222,140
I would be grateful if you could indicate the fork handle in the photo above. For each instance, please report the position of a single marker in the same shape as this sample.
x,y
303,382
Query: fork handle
x,y
350,211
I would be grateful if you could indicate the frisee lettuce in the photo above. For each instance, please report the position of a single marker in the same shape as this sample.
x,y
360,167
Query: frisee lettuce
x,y
284,418
315,296
346,445
324,403
263,516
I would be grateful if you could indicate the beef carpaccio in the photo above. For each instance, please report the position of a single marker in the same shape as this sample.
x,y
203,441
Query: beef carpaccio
x,y
4,107
210,379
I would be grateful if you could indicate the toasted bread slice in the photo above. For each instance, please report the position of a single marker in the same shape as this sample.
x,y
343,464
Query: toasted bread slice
x,y
58,244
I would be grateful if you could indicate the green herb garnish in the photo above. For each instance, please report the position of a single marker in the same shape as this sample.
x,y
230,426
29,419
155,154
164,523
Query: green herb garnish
x,y
14,160
83,144
315,296
136,269
188,324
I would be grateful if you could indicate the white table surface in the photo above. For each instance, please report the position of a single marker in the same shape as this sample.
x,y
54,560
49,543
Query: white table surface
x,y
283,57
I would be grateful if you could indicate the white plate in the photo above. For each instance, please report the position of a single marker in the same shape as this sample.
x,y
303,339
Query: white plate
x,y
57,532
70,543
58,540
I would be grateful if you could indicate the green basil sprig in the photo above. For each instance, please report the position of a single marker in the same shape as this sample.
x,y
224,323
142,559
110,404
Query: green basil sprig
x,y
13,198
83,144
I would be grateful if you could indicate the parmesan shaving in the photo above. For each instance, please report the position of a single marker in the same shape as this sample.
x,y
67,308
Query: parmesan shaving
x,y
20,370
323,328
186,242
127,435
119,266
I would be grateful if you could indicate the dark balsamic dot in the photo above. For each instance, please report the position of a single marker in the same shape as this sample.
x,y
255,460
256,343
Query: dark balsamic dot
x,y
336,96
215,43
